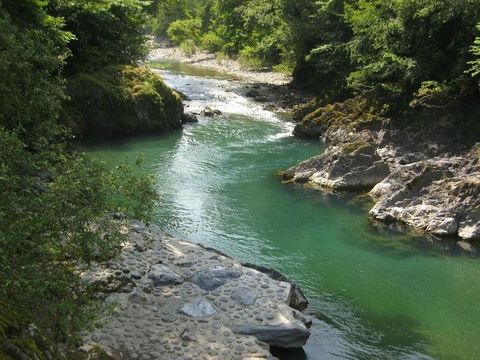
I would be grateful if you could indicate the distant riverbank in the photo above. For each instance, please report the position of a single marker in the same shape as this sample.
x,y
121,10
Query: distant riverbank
x,y
229,66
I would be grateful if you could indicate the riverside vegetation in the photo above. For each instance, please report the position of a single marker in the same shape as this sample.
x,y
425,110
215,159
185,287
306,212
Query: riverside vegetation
x,y
396,94
68,69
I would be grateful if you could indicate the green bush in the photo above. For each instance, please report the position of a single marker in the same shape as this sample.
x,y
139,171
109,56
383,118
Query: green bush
x,y
188,47
248,58
57,207
211,42
183,30
474,69
106,32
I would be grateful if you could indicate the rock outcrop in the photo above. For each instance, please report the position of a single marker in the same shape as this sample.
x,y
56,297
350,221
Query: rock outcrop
x,y
440,196
209,112
122,101
173,299
422,171
351,166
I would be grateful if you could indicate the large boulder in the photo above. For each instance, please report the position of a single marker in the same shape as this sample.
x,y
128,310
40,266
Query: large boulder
x,y
440,196
122,100
288,330
296,298
349,166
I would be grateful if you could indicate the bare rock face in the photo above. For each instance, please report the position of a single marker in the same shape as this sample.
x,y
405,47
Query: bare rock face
x,y
348,166
440,196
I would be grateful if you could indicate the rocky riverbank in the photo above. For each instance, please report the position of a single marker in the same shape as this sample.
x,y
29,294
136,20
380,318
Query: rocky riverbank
x,y
213,62
421,167
172,299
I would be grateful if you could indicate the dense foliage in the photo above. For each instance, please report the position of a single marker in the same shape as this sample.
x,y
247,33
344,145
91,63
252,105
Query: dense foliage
x,y
106,32
58,205
345,47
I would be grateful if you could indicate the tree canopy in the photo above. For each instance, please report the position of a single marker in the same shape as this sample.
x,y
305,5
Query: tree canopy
x,y
342,47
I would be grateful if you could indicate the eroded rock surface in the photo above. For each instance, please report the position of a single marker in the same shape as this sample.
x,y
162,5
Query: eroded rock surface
x,y
164,310
440,196
422,168
344,167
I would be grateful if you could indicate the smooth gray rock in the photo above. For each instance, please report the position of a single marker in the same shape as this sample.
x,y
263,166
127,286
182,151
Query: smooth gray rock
x,y
162,275
199,307
214,277
244,296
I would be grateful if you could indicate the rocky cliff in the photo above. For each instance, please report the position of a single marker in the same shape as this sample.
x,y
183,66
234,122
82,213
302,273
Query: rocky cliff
x,y
421,167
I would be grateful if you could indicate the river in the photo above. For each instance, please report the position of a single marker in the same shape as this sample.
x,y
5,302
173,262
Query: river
x,y
381,294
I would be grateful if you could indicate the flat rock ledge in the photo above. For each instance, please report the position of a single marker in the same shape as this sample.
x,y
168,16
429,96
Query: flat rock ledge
x,y
172,299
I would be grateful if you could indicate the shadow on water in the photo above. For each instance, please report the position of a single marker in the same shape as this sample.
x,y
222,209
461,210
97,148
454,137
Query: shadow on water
x,y
290,354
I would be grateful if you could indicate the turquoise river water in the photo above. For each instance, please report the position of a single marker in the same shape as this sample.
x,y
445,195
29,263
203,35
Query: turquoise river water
x,y
380,294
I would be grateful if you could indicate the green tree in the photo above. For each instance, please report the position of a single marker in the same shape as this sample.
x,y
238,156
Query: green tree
x,y
475,50
399,44
106,32
57,205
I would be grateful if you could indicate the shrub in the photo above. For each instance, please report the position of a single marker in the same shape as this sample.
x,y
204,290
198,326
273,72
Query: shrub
x,y
249,59
57,207
188,47
212,42
475,50
182,30
106,32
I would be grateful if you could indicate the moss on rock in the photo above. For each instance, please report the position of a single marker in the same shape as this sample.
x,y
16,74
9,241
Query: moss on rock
x,y
122,100
355,113
354,146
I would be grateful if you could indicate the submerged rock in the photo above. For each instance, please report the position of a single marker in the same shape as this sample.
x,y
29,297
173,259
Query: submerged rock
x,y
252,94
